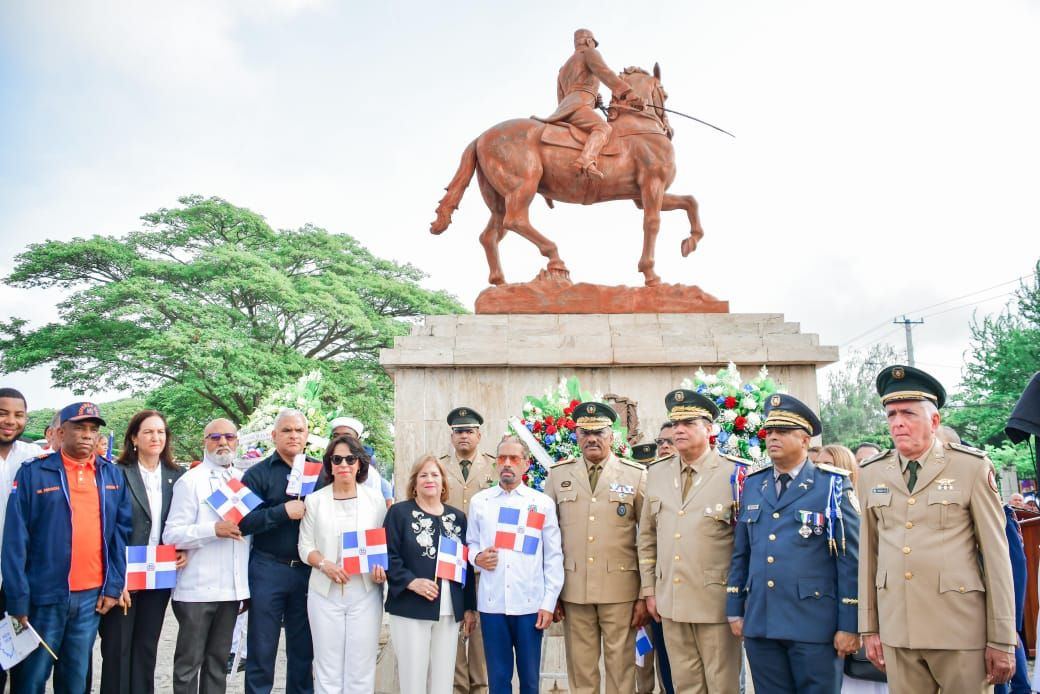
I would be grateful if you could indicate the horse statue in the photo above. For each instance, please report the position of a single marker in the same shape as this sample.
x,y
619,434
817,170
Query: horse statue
x,y
518,158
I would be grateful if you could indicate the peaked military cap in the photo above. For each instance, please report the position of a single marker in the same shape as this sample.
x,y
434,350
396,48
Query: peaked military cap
x,y
594,415
899,382
464,418
80,412
687,404
785,411
644,452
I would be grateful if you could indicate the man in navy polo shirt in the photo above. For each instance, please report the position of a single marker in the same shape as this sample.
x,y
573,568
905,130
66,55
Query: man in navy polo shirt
x,y
64,551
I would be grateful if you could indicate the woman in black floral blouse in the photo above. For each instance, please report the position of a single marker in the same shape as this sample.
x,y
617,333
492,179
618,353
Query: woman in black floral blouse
x,y
425,611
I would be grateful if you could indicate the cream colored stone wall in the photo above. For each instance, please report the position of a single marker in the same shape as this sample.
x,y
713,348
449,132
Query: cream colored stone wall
x,y
490,362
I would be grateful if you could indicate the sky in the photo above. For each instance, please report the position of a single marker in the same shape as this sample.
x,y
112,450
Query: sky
x,y
885,159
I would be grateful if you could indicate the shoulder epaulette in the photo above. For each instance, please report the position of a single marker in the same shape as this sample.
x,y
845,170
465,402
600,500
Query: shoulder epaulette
x,y
565,461
977,452
632,463
833,470
880,456
489,456
760,470
660,460
735,459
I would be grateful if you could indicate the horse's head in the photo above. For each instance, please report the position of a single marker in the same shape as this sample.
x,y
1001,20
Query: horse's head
x,y
648,87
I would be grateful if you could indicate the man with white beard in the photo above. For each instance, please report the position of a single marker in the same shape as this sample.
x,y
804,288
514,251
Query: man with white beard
x,y
214,587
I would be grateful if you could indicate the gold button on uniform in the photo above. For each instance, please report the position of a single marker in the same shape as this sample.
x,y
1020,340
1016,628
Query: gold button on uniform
x,y
770,560
772,536
593,499
770,583
591,538
676,557
592,518
776,515
962,589
675,580
946,502
911,501
677,536
590,560
816,594
909,525
906,550
908,575
682,513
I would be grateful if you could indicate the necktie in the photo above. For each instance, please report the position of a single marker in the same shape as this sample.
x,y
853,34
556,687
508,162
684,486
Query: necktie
x,y
784,479
913,466
464,464
594,475
687,481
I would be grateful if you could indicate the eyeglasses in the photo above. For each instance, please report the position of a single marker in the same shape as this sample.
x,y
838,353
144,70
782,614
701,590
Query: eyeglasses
x,y
348,459
215,438
665,442
511,459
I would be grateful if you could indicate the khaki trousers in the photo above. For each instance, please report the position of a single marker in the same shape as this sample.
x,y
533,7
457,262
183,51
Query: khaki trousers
x,y
470,666
585,627
705,658
925,671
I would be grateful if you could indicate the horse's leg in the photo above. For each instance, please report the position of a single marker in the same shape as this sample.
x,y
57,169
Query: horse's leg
x,y
686,202
651,194
494,231
518,202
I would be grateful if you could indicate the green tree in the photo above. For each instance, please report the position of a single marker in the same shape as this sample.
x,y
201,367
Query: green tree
x,y
1003,356
207,308
851,411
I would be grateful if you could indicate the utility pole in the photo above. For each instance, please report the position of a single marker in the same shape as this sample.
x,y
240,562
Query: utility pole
x,y
908,324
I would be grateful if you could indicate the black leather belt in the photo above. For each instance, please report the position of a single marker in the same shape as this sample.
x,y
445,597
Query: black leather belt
x,y
288,562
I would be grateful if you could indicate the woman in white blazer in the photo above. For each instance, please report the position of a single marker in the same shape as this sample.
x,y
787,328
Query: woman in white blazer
x,y
345,611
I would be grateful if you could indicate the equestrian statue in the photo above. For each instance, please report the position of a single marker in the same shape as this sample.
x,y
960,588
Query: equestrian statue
x,y
629,156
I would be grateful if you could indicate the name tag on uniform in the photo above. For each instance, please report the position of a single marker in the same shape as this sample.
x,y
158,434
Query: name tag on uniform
x,y
879,490
622,488
753,507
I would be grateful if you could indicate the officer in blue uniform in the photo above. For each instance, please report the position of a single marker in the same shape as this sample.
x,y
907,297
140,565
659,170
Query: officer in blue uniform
x,y
793,580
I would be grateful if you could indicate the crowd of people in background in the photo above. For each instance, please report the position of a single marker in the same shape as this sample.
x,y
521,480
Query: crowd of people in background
x,y
829,570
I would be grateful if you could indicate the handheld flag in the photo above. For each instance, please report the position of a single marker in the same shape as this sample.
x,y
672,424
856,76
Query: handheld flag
x,y
452,556
362,551
643,645
304,476
233,500
519,530
150,567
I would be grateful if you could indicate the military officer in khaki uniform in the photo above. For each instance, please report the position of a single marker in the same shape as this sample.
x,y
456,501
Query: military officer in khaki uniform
x,y
685,545
469,471
598,500
936,600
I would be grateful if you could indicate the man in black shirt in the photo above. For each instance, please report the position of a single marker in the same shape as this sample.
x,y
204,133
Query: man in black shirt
x,y
277,577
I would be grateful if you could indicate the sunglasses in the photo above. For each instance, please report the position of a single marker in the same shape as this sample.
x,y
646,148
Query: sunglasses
x,y
663,442
215,438
348,459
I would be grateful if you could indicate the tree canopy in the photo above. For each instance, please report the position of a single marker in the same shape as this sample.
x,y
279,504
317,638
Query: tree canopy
x,y
207,308
851,411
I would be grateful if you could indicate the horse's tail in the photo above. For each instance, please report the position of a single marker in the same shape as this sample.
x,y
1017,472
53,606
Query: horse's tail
x,y
450,202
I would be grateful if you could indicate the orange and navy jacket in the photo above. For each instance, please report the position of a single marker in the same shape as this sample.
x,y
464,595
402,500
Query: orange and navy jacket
x,y
37,543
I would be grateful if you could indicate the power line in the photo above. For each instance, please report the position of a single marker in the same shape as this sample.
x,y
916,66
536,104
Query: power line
x,y
968,305
908,325
965,296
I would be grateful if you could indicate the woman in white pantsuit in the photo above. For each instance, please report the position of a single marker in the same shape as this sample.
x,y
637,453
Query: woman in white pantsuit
x,y
345,611
425,611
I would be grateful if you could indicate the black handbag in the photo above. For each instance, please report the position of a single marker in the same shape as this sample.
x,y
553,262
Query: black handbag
x,y
859,667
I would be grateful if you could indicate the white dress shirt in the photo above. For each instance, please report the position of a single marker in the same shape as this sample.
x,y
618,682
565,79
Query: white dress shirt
x,y
218,567
153,488
19,453
521,583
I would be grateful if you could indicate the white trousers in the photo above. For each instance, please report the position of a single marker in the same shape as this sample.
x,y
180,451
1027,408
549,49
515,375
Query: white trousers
x,y
425,653
345,631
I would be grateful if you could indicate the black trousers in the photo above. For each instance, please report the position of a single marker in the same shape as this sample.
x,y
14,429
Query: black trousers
x,y
129,643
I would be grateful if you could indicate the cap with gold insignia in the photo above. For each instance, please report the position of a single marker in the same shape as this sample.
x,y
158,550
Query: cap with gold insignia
x,y
464,418
644,452
687,404
594,415
81,412
785,411
899,382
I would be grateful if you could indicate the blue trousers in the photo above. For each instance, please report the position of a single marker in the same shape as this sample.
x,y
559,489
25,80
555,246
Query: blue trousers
x,y
664,669
793,667
278,594
503,635
69,628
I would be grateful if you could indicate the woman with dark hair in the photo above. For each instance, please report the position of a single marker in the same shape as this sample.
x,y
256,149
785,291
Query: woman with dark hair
x,y
130,636
345,611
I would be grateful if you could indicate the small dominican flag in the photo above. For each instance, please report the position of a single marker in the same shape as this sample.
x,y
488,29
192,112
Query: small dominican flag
x,y
233,500
452,556
364,551
151,566
304,477
643,645
519,530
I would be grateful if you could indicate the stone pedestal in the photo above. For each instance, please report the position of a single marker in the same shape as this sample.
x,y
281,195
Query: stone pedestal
x,y
490,362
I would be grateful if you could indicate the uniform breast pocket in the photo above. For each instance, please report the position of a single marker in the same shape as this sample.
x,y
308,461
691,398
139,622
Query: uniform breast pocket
x,y
621,508
567,508
880,504
946,509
